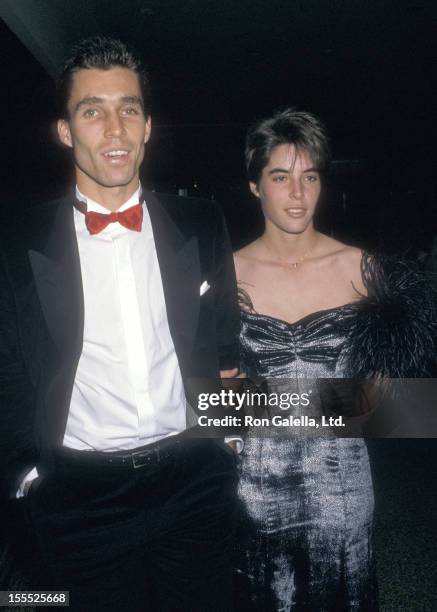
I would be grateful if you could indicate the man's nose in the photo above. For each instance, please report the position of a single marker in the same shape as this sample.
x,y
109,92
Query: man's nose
x,y
114,125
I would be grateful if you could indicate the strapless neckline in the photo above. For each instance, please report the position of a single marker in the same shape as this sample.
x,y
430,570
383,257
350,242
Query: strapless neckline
x,y
305,319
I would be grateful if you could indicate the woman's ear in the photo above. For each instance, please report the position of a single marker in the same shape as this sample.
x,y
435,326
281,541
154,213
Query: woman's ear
x,y
254,189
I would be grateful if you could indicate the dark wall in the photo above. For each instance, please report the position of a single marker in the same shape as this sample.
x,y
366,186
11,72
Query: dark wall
x,y
370,80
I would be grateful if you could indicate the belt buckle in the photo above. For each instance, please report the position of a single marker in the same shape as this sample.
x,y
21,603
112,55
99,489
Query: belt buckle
x,y
142,458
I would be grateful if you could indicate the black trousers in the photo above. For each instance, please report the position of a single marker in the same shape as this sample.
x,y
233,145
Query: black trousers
x,y
159,537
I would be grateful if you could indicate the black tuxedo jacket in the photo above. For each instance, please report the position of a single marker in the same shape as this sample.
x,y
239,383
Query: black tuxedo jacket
x,y
42,314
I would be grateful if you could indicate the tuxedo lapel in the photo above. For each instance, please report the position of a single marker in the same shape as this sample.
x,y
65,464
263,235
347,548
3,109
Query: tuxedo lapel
x,y
56,269
178,258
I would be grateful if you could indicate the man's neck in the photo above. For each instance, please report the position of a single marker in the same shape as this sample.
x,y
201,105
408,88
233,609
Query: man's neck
x,y
109,197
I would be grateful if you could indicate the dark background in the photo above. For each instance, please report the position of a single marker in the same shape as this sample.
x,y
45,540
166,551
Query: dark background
x,y
368,68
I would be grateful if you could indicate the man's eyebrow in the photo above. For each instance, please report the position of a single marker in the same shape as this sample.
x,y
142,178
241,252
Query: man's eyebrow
x,y
96,100
87,101
132,100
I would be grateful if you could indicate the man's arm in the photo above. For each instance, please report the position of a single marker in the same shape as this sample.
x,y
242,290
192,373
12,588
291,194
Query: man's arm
x,y
227,315
17,395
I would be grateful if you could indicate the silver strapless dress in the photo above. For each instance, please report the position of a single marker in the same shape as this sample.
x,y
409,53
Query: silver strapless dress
x,y
304,539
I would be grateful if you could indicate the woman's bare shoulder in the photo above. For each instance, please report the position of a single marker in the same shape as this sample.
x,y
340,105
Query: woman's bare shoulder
x,y
351,260
246,257
345,254
346,259
351,257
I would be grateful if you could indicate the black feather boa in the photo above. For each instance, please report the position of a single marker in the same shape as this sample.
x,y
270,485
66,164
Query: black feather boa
x,y
395,331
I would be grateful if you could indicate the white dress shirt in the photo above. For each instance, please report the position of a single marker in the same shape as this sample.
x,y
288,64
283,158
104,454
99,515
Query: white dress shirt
x,y
128,388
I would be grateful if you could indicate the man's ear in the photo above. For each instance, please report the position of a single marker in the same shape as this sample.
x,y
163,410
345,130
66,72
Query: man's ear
x,y
148,129
64,133
254,189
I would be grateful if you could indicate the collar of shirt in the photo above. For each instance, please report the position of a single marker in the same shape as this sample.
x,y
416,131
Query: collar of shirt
x,y
96,207
113,229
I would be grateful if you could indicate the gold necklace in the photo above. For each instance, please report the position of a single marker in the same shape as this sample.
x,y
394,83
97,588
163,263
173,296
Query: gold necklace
x,y
291,264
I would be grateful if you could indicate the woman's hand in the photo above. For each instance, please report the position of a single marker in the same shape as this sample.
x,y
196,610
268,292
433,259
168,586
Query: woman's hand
x,y
234,373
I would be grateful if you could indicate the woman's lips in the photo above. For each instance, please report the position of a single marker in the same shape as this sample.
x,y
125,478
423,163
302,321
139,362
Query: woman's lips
x,y
295,213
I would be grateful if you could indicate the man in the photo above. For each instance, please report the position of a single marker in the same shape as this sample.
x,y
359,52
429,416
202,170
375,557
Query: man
x,y
113,300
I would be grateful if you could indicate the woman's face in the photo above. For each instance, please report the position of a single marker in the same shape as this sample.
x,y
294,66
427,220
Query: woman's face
x,y
289,189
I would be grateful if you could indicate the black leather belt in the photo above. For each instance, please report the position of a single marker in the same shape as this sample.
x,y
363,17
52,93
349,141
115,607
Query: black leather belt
x,y
134,459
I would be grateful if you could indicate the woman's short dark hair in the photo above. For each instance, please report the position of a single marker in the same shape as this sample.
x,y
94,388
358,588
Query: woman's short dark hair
x,y
102,53
299,128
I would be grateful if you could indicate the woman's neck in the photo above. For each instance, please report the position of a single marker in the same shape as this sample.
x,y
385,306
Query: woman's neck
x,y
283,247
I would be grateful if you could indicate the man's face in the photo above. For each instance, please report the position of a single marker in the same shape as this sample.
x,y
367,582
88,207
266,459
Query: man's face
x,y
107,128
289,189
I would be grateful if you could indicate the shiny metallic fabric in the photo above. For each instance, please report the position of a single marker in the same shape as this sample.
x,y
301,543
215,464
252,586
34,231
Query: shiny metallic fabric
x,y
304,540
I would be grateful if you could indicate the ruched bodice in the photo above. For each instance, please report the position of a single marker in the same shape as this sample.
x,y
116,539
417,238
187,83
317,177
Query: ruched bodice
x,y
311,347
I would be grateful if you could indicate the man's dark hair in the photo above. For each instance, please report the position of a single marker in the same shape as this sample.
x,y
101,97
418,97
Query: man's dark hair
x,y
303,130
102,53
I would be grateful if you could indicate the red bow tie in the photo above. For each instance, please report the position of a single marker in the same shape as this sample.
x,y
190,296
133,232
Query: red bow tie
x,y
131,218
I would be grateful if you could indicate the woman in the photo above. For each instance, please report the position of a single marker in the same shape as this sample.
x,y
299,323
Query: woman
x,y
307,500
